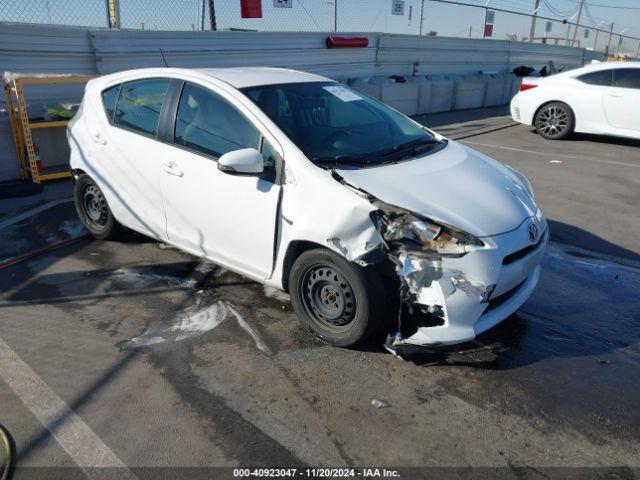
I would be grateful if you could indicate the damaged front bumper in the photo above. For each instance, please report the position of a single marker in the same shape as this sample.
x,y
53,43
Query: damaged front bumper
x,y
471,293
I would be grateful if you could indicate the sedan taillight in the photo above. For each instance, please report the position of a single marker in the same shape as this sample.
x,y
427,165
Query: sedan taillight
x,y
527,86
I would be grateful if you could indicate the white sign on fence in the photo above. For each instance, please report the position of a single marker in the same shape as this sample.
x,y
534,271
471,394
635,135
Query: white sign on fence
x,y
283,3
548,27
397,7
491,17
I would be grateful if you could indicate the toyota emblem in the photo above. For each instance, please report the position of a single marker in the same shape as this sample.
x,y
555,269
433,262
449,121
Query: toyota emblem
x,y
533,233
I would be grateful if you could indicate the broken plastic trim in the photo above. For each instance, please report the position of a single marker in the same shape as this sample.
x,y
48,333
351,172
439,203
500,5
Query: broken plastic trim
x,y
417,247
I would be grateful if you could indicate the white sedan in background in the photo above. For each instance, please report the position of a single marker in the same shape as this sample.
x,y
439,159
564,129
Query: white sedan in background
x,y
601,99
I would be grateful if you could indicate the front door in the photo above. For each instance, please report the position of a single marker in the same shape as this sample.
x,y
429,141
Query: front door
x,y
228,218
622,100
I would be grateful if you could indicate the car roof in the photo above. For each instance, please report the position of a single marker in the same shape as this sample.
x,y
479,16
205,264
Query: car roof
x,y
238,77
241,77
606,66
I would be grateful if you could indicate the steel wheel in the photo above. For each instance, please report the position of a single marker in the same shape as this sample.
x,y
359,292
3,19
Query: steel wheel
x,y
328,297
94,206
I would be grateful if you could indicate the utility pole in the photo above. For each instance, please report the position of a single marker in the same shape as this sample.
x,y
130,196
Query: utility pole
x,y
470,30
212,15
595,42
113,13
421,17
335,15
534,17
575,31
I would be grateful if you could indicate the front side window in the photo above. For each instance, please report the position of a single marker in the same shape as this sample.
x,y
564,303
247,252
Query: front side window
x,y
109,99
626,78
601,78
139,104
209,124
334,125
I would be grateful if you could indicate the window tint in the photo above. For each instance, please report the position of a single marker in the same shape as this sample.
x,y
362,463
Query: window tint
x,y
626,78
209,124
603,78
109,99
139,104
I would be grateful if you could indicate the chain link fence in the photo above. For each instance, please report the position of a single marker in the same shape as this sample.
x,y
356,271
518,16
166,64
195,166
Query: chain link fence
x,y
512,20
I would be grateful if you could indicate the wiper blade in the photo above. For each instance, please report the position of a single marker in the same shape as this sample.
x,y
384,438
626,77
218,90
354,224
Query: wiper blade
x,y
412,145
339,160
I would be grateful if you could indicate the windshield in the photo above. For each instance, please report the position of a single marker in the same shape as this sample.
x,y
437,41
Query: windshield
x,y
337,126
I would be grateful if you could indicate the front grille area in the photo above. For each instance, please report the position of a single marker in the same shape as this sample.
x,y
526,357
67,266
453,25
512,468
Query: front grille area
x,y
514,257
505,297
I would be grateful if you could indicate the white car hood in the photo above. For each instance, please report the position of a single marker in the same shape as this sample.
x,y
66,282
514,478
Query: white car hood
x,y
456,186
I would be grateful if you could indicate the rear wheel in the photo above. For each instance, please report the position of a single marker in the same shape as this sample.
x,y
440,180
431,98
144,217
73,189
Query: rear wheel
x,y
340,302
555,121
93,210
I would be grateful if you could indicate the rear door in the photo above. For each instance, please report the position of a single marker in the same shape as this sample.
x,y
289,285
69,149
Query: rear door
x,y
228,218
127,165
622,99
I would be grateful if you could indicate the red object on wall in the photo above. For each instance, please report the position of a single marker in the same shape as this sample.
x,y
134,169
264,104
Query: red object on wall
x,y
347,42
488,30
251,8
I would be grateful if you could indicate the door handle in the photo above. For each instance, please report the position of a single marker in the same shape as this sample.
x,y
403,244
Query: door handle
x,y
614,95
172,170
98,138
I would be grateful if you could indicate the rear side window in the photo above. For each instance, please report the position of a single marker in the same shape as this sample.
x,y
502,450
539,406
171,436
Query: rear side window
x,y
627,78
109,100
209,124
602,78
139,104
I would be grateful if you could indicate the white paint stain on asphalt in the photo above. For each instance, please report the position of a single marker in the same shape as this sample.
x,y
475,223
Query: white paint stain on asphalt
x,y
280,295
194,322
201,321
247,328
78,440
143,279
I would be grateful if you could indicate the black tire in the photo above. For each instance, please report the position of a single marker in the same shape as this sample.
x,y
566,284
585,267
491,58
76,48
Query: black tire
x,y
338,301
93,210
555,121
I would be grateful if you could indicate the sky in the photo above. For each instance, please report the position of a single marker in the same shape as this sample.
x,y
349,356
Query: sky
x,y
353,16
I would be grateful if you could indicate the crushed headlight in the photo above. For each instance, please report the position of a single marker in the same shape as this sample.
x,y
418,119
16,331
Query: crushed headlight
x,y
421,234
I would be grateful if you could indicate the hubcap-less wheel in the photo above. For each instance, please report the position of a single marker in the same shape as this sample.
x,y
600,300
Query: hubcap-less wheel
x,y
94,206
328,297
553,121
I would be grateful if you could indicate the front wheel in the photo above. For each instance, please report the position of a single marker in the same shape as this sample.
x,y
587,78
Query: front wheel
x,y
555,121
340,302
93,210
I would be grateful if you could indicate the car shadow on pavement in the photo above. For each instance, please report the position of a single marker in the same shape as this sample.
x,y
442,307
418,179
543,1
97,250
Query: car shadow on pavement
x,y
571,235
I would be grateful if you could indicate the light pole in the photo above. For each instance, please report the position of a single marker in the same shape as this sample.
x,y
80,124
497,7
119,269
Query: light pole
x,y
421,17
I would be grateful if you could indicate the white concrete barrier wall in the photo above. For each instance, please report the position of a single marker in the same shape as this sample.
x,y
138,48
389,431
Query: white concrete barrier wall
x,y
55,49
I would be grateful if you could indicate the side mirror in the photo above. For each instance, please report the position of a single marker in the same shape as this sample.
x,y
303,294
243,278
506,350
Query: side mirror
x,y
246,161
